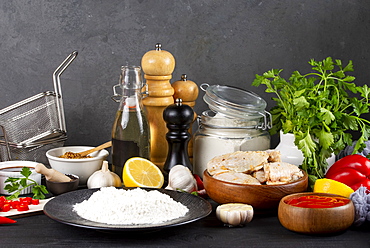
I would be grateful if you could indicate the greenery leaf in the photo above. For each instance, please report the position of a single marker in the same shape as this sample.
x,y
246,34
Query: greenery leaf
x,y
301,103
307,145
319,107
16,185
327,116
349,67
349,122
26,172
326,139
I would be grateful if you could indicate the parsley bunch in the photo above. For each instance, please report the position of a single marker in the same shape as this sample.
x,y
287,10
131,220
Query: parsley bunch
x,y
16,185
319,108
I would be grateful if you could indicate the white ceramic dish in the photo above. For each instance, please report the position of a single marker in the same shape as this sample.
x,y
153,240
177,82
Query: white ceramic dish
x,y
83,167
12,169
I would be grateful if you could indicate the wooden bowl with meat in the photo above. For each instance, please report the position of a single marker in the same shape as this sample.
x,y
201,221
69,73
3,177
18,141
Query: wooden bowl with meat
x,y
257,178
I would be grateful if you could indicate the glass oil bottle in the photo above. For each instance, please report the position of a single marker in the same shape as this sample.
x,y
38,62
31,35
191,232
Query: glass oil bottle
x,y
130,132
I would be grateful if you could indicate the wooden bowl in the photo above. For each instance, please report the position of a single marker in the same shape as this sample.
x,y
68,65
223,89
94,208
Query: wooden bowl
x,y
315,220
261,197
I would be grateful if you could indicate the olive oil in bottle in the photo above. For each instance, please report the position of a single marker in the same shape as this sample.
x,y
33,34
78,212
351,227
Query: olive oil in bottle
x,y
130,132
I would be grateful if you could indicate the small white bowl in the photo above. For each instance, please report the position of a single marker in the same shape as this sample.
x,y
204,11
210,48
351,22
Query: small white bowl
x,y
13,169
83,167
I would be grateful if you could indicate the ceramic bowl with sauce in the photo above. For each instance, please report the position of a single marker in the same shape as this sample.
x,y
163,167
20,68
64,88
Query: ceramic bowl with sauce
x,y
316,213
82,167
263,198
13,169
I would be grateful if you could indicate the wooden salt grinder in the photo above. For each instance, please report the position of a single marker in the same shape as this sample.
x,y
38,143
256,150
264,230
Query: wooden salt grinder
x,y
188,91
158,66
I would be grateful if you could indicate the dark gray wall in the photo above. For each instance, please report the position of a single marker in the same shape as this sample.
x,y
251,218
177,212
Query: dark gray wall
x,y
213,41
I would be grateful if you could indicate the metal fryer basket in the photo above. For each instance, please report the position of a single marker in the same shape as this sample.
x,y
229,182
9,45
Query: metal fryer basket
x,y
34,152
31,119
38,116
35,121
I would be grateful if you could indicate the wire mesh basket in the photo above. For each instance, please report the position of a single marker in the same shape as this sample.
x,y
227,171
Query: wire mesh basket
x,y
32,119
33,152
34,123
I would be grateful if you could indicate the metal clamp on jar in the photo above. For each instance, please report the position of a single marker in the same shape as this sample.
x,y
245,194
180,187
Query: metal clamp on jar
x,y
237,121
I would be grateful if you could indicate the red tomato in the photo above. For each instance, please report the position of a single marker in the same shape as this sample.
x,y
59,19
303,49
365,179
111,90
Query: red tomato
x,y
35,202
2,199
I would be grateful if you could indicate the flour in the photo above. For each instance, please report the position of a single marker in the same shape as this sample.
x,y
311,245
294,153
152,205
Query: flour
x,y
129,207
220,135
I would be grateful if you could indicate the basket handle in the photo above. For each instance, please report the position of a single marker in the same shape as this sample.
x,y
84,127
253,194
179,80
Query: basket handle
x,y
6,145
58,89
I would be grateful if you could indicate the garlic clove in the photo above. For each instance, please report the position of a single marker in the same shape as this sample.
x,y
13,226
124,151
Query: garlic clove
x,y
180,177
235,214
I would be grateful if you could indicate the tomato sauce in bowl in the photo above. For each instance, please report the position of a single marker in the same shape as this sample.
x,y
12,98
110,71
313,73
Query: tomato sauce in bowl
x,y
316,213
317,201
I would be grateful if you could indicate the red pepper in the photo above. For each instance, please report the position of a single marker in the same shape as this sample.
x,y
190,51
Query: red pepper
x,y
201,190
35,202
15,204
22,204
6,220
5,208
26,200
199,181
23,207
352,170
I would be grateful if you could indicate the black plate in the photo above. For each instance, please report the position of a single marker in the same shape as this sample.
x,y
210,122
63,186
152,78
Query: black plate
x,y
60,209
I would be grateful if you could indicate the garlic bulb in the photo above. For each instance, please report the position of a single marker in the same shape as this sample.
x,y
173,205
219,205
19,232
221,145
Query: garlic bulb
x,y
234,214
104,178
180,177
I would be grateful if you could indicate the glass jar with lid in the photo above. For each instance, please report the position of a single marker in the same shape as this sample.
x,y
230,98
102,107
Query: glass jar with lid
x,y
237,121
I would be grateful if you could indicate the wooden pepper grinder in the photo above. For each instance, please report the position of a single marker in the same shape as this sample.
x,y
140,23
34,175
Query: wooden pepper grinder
x,y
188,91
158,66
178,117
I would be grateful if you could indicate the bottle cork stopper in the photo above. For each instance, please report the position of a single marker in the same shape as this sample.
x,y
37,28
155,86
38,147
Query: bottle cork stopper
x,y
158,62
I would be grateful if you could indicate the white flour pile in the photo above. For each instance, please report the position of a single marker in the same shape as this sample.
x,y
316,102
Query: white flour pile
x,y
129,207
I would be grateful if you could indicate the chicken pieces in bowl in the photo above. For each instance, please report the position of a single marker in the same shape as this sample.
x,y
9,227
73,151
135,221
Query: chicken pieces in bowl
x,y
258,178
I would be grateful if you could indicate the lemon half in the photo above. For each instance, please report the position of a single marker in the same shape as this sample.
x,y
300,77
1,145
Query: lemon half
x,y
141,172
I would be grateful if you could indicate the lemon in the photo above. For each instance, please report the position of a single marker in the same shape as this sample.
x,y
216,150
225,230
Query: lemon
x,y
140,172
332,187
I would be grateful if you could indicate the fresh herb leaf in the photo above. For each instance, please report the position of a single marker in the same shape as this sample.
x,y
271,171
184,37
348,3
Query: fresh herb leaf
x,y
26,172
15,185
319,109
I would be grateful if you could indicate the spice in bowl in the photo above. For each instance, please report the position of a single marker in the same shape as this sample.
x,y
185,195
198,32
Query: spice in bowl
x,y
72,155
